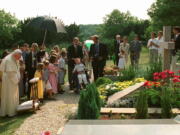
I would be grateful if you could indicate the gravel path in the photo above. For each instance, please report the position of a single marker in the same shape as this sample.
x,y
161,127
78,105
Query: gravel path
x,y
51,117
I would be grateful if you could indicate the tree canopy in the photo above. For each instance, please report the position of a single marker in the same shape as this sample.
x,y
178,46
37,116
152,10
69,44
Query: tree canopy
x,y
8,29
165,12
123,23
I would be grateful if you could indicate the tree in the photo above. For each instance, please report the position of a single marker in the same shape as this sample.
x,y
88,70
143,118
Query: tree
x,y
8,29
123,23
164,12
72,31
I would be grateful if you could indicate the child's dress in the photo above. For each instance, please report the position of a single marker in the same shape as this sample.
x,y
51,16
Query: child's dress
x,y
38,74
53,77
47,85
121,63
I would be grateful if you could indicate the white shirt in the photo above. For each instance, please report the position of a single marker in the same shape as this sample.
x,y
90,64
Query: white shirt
x,y
79,67
160,49
154,41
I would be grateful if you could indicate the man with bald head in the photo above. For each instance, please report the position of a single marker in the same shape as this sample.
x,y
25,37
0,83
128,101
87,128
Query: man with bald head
x,y
10,83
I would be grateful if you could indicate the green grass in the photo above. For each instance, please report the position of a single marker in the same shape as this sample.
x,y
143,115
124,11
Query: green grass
x,y
143,61
9,125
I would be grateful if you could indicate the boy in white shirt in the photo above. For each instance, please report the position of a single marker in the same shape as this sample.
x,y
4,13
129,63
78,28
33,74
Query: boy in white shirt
x,y
80,70
153,48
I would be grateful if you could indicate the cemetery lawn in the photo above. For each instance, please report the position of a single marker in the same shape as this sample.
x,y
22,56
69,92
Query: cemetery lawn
x,y
9,125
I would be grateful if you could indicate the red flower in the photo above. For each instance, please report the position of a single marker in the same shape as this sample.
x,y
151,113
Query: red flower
x,y
157,84
147,84
156,78
163,75
46,133
156,74
175,80
169,72
176,76
179,71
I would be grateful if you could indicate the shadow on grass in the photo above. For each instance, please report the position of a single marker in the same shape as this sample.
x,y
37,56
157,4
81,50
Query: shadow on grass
x,y
9,125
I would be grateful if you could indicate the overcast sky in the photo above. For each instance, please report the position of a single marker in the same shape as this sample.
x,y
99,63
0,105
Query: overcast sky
x,y
79,11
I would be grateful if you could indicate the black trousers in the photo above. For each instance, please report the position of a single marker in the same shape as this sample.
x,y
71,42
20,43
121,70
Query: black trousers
x,y
70,75
98,68
116,60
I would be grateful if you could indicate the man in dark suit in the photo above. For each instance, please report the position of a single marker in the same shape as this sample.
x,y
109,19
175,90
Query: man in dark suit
x,y
176,31
41,53
98,54
30,64
116,48
73,51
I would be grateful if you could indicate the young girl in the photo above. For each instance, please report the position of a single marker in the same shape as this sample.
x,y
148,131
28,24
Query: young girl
x,y
53,74
47,85
39,74
121,63
62,72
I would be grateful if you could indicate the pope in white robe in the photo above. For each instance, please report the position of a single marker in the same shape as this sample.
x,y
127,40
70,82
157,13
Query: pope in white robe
x,y
10,79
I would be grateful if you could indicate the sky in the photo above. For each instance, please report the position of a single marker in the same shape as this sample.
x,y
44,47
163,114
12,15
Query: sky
x,y
78,11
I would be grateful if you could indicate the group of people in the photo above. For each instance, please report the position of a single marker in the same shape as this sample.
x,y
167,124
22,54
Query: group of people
x,y
25,63
122,50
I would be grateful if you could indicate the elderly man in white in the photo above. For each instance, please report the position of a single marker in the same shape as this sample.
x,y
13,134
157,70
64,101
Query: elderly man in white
x,y
10,80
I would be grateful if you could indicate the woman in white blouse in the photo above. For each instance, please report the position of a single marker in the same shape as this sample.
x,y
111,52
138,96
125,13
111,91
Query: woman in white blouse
x,y
124,46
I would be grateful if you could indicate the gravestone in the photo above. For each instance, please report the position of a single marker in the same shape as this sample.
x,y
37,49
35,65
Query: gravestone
x,y
167,46
122,127
123,93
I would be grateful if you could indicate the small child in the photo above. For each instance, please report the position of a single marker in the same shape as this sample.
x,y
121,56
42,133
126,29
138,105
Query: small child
x,y
47,85
121,63
39,74
80,70
62,72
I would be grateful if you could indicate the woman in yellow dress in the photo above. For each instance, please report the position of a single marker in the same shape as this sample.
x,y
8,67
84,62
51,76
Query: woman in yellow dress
x,y
38,74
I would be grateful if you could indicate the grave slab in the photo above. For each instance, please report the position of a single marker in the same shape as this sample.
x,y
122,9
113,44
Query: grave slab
x,y
133,110
123,93
122,127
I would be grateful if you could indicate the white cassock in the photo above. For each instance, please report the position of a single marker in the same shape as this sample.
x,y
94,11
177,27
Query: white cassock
x,y
10,88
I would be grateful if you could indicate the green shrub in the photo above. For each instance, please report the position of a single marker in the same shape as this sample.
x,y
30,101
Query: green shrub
x,y
176,98
152,68
142,105
127,74
103,80
89,103
166,105
153,96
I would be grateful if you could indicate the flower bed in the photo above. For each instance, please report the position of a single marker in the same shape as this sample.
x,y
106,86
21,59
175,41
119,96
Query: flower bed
x,y
106,90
